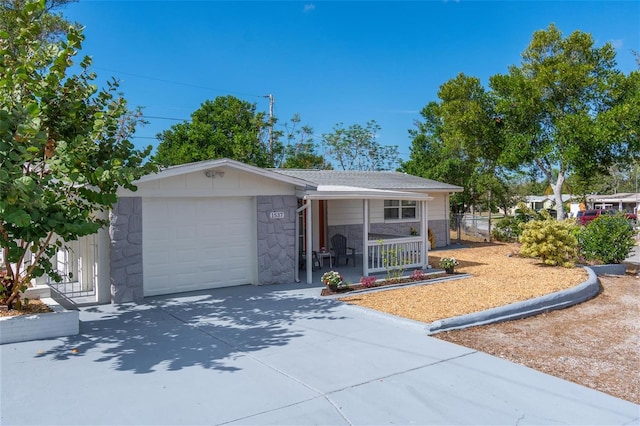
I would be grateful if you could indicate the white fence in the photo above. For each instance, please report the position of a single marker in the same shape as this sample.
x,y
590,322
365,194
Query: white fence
x,y
76,263
394,254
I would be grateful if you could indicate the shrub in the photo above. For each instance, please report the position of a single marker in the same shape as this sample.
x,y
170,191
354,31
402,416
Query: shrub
x,y
607,239
391,261
418,275
550,240
368,282
525,214
510,228
507,229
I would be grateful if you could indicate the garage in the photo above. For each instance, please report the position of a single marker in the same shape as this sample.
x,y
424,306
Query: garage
x,y
197,243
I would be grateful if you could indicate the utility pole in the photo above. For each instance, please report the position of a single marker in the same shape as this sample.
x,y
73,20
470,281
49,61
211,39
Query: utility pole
x,y
271,101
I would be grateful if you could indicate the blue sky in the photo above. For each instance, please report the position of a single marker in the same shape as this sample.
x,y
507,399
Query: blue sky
x,y
329,61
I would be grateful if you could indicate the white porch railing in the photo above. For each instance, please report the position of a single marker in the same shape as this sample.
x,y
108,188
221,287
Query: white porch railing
x,y
393,254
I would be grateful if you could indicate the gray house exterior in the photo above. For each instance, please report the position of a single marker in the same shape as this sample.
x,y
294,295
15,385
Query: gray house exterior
x,y
222,223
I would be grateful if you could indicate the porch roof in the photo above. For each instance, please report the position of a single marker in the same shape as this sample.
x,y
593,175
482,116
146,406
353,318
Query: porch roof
x,y
380,180
342,192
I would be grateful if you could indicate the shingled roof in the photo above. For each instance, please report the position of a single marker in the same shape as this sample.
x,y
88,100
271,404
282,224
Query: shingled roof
x,y
369,179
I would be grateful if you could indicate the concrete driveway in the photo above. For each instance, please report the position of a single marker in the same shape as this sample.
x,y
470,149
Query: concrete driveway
x,y
276,355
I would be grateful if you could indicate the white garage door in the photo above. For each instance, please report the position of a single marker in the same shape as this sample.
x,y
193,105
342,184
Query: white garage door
x,y
197,243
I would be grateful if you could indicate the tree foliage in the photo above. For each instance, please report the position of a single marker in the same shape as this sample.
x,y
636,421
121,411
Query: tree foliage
x,y
53,25
356,148
226,127
567,108
459,142
300,151
64,149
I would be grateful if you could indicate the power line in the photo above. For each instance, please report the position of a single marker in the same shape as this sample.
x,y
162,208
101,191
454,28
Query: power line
x,y
164,118
178,83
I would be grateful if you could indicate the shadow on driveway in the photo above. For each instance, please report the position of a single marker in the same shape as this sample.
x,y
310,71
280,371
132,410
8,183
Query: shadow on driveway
x,y
203,328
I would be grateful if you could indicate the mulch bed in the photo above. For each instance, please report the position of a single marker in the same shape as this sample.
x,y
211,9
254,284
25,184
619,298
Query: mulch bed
x,y
34,306
326,291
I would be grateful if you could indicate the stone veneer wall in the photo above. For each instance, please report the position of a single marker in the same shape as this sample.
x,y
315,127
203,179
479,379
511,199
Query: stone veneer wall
x,y
276,239
352,232
125,233
440,229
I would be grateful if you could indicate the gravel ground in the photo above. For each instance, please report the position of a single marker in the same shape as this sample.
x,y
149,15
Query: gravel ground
x,y
595,344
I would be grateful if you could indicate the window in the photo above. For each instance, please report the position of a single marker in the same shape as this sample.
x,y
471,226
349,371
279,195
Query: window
x,y
400,210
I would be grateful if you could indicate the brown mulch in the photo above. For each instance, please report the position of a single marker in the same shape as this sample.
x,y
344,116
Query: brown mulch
x,y
499,277
34,306
595,344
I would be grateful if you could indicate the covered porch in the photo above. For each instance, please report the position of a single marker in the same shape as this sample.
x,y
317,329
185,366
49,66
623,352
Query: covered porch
x,y
352,275
375,253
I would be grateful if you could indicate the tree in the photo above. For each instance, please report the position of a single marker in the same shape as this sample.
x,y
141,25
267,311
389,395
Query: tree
x,y
567,108
459,142
432,158
356,148
226,127
52,25
64,149
300,152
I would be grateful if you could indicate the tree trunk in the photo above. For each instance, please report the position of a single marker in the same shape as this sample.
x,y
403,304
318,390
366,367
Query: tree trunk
x,y
13,289
557,194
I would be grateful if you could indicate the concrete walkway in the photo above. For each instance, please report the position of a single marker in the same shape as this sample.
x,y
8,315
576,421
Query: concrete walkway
x,y
276,355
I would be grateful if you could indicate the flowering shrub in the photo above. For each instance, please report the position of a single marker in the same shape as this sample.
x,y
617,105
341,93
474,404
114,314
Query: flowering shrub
x,y
418,275
448,262
368,282
332,279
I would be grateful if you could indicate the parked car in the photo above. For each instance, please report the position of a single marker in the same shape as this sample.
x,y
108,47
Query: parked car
x,y
586,216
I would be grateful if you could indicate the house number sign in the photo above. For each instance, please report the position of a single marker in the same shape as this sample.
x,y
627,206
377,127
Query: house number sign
x,y
276,215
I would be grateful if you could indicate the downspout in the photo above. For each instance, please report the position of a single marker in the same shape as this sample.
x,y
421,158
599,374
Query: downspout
x,y
309,244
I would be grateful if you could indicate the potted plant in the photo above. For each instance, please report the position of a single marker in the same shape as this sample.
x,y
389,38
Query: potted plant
x,y
333,280
448,264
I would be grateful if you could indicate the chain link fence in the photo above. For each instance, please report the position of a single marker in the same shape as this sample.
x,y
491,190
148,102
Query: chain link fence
x,y
470,225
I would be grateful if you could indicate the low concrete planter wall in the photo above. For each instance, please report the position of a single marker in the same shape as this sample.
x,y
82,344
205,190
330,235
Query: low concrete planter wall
x,y
558,300
611,269
23,328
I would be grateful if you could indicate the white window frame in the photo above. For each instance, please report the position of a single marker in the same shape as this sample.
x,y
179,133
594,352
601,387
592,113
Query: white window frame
x,y
400,207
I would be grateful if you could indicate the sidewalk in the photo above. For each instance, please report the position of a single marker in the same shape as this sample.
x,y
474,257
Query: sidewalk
x,y
276,355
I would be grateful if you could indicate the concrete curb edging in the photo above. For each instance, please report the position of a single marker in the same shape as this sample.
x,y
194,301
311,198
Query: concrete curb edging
x,y
558,300
609,269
